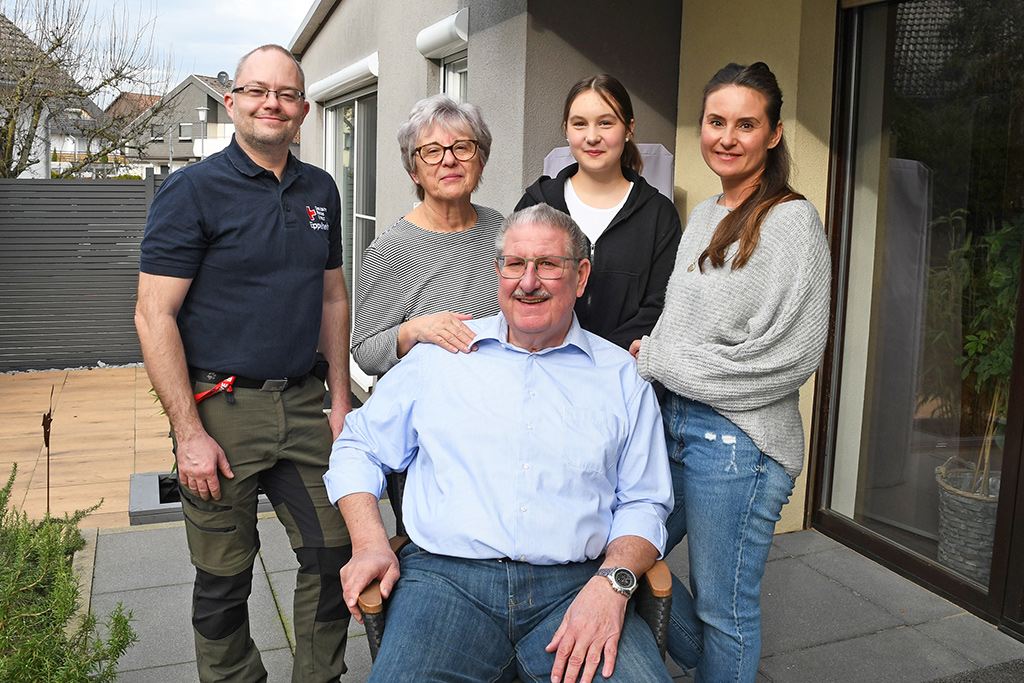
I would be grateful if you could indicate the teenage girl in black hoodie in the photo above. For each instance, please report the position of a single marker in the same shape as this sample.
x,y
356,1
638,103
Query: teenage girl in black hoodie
x,y
633,229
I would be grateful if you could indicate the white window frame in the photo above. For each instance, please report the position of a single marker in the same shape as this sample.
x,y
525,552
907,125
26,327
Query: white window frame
x,y
360,238
455,76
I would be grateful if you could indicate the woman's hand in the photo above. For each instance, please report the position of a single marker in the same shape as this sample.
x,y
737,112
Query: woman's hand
x,y
445,329
634,350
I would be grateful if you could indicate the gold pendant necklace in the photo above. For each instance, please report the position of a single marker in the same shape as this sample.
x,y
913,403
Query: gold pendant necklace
x,y
703,235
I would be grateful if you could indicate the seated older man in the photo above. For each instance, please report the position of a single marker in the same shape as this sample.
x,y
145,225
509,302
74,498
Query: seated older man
x,y
537,487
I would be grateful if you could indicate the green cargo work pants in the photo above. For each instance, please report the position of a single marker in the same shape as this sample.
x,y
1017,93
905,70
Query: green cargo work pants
x,y
279,441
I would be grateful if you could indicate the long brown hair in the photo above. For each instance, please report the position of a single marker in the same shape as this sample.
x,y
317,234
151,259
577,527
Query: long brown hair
x,y
744,222
614,93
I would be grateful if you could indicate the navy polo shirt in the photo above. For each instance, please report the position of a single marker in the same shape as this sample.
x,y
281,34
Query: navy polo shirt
x,y
255,249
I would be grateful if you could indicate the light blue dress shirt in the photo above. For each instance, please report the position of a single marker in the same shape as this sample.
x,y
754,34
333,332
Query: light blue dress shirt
x,y
541,457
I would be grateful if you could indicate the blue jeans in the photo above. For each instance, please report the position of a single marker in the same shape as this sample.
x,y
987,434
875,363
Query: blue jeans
x,y
450,619
728,498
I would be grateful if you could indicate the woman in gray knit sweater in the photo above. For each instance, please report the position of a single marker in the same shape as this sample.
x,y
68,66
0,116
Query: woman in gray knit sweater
x,y
743,328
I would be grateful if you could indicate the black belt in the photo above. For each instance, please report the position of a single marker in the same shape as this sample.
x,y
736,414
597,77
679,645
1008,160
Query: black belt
x,y
212,377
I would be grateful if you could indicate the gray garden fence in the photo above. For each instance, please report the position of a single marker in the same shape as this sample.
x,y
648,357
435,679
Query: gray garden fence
x,y
69,264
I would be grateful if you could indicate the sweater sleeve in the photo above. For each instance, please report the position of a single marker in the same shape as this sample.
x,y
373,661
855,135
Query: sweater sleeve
x,y
663,260
764,367
379,314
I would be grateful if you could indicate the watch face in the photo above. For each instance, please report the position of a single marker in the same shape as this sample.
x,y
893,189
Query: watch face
x,y
624,578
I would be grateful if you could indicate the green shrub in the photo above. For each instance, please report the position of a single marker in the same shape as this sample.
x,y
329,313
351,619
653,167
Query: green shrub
x,y
40,637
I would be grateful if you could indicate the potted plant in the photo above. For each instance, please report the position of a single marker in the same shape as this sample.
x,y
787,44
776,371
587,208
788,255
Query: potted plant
x,y
984,274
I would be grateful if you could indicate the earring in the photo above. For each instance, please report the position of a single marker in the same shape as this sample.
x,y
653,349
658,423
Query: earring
x,y
567,139
627,139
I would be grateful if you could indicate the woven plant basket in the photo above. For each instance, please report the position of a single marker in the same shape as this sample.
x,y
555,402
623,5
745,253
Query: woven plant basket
x,y
967,520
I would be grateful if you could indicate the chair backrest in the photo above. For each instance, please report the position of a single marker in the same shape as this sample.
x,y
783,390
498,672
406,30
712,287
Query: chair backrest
x,y
396,492
659,165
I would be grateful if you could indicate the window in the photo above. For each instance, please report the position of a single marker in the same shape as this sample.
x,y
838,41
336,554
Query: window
x,y
932,235
351,155
184,131
454,76
156,133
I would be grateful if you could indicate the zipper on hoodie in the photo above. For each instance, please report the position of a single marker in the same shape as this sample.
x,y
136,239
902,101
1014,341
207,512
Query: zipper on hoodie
x,y
593,251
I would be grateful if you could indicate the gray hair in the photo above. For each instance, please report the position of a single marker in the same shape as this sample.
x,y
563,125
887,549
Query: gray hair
x,y
576,243
270,46
441,110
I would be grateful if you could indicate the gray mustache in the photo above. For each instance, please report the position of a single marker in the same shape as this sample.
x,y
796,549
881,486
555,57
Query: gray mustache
x,y
532,295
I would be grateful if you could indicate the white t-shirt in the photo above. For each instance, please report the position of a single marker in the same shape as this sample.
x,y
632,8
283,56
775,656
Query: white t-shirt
x,y
593,222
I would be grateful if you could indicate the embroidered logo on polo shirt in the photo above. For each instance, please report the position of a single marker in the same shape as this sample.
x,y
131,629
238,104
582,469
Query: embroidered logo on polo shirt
x,y
318,218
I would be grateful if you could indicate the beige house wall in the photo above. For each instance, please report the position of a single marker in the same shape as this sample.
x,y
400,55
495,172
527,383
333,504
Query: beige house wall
x,y
796,38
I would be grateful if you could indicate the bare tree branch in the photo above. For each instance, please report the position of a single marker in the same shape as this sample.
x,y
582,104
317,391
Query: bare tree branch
x,y
57,59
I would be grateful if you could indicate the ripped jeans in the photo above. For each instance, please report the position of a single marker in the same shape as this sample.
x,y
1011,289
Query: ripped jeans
x,y
728,498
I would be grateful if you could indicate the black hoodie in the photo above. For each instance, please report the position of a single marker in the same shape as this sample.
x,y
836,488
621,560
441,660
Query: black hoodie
x,y
630,263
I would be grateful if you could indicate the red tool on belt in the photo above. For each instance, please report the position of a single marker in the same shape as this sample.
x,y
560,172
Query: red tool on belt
x,y
227,385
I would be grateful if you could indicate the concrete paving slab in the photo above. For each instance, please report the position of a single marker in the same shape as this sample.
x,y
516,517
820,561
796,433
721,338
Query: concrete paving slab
x,y
824,612
275,549
777,553
278,664
897,655
357,658
976,640
175,673
131,559
162,619
282,584
800,543
265,614
905,600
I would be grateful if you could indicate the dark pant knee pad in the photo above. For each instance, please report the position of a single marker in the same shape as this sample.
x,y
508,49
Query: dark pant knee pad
x,y
220,603
326,562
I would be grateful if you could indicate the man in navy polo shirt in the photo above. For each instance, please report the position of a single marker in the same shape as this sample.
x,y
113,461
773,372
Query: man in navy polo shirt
x,y
240,285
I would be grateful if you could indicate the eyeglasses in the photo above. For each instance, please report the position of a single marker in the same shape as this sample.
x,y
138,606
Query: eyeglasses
x,y
258,92
433,153
546,267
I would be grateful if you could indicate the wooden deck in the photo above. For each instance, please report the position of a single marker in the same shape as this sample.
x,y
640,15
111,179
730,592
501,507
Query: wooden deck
x,y
106,426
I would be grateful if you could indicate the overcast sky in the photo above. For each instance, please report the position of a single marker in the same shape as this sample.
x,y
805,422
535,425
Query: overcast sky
x,y
207,36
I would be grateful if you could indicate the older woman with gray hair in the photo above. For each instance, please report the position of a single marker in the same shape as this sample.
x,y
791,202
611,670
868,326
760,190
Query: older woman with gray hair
x,y
434,268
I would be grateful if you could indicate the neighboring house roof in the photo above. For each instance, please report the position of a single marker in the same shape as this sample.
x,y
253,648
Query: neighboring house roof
x,y
222,88
19,52
215,87
209,84
18,47
20,55
130,104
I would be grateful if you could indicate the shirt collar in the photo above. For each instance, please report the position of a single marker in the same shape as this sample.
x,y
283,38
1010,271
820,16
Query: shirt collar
x,y
496,329
246,166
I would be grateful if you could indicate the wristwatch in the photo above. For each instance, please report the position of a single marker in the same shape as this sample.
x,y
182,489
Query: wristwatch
x,y
622,579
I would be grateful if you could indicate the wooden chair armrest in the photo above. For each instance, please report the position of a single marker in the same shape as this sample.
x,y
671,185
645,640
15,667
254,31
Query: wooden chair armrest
x,y
370,601
659,577
653,602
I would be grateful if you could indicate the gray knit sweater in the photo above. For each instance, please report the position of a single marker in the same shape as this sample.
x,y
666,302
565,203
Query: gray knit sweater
x,y
744,341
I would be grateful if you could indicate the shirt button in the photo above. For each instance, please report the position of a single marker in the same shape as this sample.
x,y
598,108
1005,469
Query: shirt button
x,y
522,558
529,428
522,509
533,393
288,209
526,466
